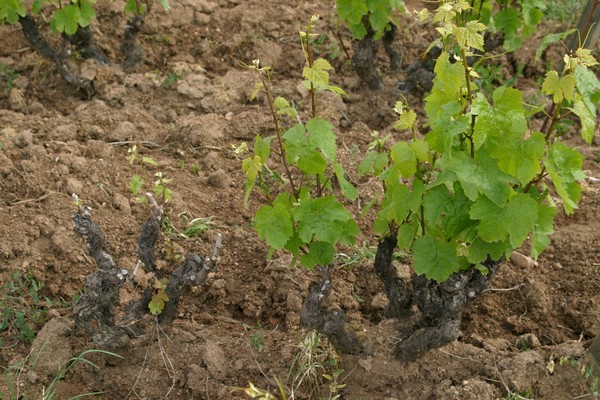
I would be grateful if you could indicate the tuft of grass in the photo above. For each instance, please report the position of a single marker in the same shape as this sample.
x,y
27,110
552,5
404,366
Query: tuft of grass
x,y
193,227
358,255
315,373
23,307
12,376
8,74
566,12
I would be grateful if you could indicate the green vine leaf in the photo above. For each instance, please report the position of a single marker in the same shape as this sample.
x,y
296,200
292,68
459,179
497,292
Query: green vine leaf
x,y
394,207
316,218
519,158
506,118
445,100
321,136
300,150
406,235
404,158
136,184
66,19
11,11
352,11
317,73
586,101
481,176
470,35
561,88
435,258
479,250
274,225
319,253
512,221
348,190
446,211
552,38
542,229
374,162
564,168
252,166
283,107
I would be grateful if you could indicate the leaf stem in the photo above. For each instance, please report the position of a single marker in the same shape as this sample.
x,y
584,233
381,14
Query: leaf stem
x,y
313,95
267,91
467,75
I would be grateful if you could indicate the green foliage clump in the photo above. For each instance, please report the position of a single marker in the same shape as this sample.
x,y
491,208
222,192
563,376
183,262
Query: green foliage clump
x,y
302,214
23,307
364,15
160,188
476,185
159,297
66,16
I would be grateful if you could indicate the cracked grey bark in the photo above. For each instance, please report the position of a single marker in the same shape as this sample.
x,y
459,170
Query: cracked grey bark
x,y
37,41
331,324
429,312
131,49
95,310
441,306
397,290
364,62
84,41
364,59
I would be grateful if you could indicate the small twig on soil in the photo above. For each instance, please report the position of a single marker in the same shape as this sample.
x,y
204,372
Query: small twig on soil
x,y
166,360
459,357
206,385
501,377
503,289
139,374
42,197
150,145
216,148
345,116
583,396
135,269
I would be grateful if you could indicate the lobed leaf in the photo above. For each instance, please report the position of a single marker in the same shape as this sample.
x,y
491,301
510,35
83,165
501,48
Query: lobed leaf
x,y
436,259
351,11
348,190
561,88
11,11
252,166
404,158
319,253
317,218
469,35
480,176
320,135
479,250
317,73
564,168
519,158
505,119
542,229
274,225
513,220
447,211
394,207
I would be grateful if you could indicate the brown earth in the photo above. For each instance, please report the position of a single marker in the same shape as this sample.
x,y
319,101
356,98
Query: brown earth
x,y
56,144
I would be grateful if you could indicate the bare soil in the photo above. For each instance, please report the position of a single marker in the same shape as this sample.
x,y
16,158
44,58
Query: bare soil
x,y
56,144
